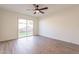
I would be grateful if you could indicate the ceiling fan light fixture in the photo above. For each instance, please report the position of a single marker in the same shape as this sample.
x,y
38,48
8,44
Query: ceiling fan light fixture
x,y
37,11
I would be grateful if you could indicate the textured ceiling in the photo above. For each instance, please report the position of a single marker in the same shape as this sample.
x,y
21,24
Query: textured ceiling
x,y
28,8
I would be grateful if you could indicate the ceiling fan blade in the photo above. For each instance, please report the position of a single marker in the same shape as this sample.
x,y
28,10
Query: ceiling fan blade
x,y
43,8
41,11
30,9
34,12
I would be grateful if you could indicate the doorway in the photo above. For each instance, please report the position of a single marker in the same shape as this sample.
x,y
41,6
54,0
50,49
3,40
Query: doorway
x,y
25,28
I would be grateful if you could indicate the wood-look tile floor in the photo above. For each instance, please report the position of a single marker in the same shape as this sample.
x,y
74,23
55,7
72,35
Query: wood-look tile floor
x,y
37,45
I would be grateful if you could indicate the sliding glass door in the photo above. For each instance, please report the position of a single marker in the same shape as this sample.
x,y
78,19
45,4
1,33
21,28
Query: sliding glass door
x,y
25,28
29,27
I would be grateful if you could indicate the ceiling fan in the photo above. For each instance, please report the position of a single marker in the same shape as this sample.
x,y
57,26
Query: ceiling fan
x,y
37,9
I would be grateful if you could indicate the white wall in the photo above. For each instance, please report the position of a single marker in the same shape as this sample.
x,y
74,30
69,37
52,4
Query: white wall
x,y
36,26
9,24
63,25
0,23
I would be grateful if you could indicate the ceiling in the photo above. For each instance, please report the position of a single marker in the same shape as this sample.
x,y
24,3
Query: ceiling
x,y
28,8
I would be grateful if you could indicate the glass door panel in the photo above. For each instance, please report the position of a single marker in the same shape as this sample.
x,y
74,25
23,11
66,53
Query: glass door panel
x,y
29,27
22,28
25,28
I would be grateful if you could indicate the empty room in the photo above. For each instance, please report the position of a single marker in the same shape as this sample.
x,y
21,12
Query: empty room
x,y
39,28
